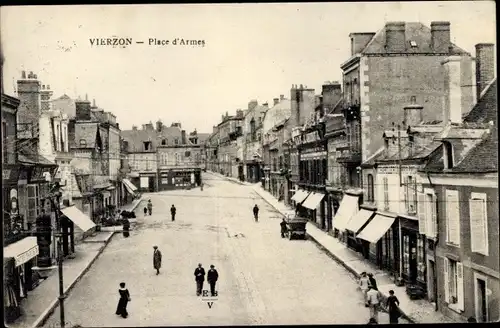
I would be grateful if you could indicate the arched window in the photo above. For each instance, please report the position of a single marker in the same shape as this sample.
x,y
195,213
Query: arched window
x,y
371,193
164,142
447,155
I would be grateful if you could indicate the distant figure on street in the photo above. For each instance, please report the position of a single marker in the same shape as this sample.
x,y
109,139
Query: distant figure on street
x,y
201,186
372,322
156,259
145,211
372,281
392,304
256,213
373,296
173,210
212,277
199,274
283,228
124,299
363,285
150,207
471,320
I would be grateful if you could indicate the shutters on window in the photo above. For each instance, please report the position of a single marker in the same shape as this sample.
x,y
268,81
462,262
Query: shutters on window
x,y
460,286
479,238
452,217
434,215
386,193
430,216
422,217
405,195
32,212
446,280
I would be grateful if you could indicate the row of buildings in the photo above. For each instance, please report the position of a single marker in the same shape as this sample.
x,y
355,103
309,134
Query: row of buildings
x,y
398,161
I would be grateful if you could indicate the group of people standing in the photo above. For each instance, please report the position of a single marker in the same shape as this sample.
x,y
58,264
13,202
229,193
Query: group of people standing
x,y
373,298
212,277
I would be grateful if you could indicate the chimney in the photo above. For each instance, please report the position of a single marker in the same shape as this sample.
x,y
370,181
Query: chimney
x,y
183,137
45,95
144,127
29,94
276,101
331,92
159,126
440,37
150,127
252,104
359,41
485,66
134,127
282,97
83,110
413,114
302,105
395,39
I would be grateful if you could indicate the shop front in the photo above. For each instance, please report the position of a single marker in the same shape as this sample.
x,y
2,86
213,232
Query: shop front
x,y
130,190
349,206
413,266
147,182
179,178
380,236
333,199
19,259
315,203
357,222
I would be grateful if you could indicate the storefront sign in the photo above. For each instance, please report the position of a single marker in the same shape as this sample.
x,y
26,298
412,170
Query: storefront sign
x,y
319,154
394,169
313,150
26,256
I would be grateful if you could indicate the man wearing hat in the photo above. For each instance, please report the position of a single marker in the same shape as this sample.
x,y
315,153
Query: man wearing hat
x,y
199,274
212,277
157,259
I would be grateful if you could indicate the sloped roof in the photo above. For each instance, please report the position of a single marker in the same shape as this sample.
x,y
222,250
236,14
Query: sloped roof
x,y
417,152
85,132
29,158
481,159
277,114
414,31
135,138
486,108
202,137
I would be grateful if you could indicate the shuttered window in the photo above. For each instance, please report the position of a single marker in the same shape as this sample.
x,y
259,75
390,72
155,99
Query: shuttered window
x,y
478,223
386,193
33,202
452,218
422,214
430,213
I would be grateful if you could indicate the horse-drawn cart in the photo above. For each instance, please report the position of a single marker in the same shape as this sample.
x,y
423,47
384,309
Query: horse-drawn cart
x,y
295,226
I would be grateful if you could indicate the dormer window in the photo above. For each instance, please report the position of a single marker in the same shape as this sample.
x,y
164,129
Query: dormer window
x,y
413,44
447,155
147,145
83,143
164,142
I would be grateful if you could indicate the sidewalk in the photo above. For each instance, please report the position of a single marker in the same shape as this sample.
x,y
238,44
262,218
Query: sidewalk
x,y
415,311
244,183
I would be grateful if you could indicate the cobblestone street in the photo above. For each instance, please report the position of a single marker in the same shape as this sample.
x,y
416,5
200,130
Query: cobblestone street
x,y
264,279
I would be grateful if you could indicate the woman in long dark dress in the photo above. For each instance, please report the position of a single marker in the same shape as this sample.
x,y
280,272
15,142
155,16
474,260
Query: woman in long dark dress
x,y
393,308
124,299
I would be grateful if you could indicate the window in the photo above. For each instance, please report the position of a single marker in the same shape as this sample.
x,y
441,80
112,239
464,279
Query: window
x,y
478,223
164,159
454,284
370,195
58,138
64,138
176,141
164,142
430,214
411,195
147,145
281,162
177,158
452,218
4,140
447,155
386,193
33,202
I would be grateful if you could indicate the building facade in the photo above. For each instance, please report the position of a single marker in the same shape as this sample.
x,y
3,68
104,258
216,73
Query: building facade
x,y
230,129
252,140
179,166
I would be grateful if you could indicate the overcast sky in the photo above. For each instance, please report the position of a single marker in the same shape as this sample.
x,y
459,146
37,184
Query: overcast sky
x,y
252,51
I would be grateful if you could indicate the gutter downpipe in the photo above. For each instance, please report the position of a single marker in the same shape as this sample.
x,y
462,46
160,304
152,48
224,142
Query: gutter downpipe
x,y
436,306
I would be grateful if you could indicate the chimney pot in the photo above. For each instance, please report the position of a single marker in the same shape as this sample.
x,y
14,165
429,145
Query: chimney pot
x,y
23,74
485,66
48,86
276,101
301,86
43,86
35,76
282,97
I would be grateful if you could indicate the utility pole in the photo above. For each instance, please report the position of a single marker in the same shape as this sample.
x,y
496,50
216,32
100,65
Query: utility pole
x,y
55,197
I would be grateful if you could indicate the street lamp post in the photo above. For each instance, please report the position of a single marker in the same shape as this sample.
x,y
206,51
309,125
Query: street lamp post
x,y
55,197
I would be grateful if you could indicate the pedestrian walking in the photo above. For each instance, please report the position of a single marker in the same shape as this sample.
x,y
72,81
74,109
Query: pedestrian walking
x,y
156,259
150,207
363,285
283,228
372,281
173,210
199,274
373,297
256,213
392,304
212,277
121,309
145,211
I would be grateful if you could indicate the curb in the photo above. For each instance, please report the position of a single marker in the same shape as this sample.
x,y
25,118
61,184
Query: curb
x,y
54,304
338,260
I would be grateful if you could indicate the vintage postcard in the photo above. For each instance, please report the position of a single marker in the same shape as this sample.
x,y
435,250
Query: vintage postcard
x,y
250,164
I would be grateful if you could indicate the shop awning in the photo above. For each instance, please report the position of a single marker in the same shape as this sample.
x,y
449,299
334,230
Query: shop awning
x,y
358,220
348,207
111,188
78,217
301,196
296,195
129,186
22,251
313,200
377,227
